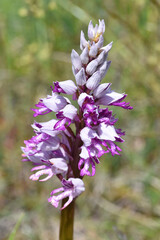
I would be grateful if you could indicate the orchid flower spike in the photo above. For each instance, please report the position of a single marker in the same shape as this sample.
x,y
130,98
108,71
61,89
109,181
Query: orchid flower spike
x,y
58,150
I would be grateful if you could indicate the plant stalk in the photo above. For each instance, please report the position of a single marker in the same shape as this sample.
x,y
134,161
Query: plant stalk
x,y
67,221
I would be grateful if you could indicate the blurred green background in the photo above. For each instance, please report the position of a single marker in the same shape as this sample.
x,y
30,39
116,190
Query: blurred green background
x,y
122,201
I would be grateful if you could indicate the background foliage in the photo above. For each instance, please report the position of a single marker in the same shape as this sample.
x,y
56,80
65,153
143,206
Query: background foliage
x,y
36,37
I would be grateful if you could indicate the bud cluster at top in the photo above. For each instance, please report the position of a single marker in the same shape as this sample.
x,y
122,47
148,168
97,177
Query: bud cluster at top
x,y
56,149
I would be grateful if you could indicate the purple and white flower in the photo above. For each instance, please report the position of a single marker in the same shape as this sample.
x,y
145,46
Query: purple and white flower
x,y
53,166
67,87
69,147
71,188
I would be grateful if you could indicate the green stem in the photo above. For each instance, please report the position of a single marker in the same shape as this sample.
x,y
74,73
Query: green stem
x,y
67,221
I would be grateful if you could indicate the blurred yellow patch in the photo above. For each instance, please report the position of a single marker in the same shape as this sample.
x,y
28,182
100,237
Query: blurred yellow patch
x,y
39,13
33,47
157,47
24,60
28,1
52,5
140,3
23,12
152,60
151,26
44,53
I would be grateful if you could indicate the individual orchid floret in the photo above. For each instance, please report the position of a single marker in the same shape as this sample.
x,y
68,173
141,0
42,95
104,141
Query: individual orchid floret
x,y
95,32
76,61
93,50
67,87
94,81
55,102
50,144
100,90
97,76
83,97
42,142
91,67
103,132
80,77
107,132
103,68
41,109
83,41
46,127
108,97
89,157
99,44
91,30
85,56
67,114
35,157
101,27
71,188
53,166
69,111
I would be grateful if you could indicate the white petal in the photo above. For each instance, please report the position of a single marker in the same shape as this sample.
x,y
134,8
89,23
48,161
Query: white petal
x,y
59,165
107,132
87,134
99,44
68,86
94,81
91,67
81,77
104,68
83,41
78,186
55,102
84,152
91,31
47,127
100,90
109,98
76,61
101,27
48,124
49,145
85,56
69,111
82,97
108,47
101,57
93,50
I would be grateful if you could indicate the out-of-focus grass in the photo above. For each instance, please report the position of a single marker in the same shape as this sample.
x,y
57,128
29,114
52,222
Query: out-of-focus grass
x,y
36,37
12,236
